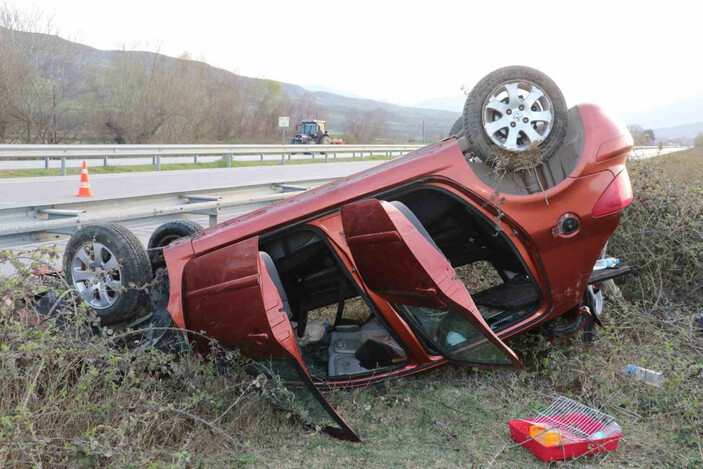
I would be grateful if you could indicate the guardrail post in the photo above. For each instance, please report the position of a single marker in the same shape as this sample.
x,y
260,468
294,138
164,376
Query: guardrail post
x,y
353,155
261,157
63,166
313,155
195,159
290,155
105,160
361,154
283,158
335,155
158,162
46,162
326,158
228,159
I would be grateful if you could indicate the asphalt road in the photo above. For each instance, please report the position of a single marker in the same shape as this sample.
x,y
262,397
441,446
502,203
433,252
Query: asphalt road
x,y
33,191
644,153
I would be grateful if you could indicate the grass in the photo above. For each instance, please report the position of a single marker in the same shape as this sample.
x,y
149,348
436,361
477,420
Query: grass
x,y
116,407
17,173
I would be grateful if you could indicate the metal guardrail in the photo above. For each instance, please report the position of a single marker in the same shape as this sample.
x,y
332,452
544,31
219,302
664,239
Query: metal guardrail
x,y
23,225
156,152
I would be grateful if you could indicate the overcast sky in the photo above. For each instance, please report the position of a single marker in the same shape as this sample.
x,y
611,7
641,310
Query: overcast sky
x,y
625,55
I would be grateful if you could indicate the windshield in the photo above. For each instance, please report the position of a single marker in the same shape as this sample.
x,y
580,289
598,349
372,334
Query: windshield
x,y
454,336
309,128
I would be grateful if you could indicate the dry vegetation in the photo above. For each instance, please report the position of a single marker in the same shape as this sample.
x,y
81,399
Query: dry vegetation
x,y
69,398
53,92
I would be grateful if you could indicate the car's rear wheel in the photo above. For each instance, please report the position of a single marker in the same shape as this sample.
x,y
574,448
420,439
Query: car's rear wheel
x,y
165,235
109,267
515,115
171,231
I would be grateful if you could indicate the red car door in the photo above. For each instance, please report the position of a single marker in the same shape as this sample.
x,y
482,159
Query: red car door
x,y
230,295
398,260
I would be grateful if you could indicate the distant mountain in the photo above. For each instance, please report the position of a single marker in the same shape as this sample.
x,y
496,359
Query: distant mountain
x,y
677,114
451,104
688,132
326,89
404,123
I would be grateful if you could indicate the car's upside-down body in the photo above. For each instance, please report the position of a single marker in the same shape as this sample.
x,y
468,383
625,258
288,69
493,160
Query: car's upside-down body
x,y
388,241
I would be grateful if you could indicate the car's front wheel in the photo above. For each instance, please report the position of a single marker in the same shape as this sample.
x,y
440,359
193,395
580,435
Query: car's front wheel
x,y
109,268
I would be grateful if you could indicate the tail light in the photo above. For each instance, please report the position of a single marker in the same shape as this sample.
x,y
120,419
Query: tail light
x,y
616,197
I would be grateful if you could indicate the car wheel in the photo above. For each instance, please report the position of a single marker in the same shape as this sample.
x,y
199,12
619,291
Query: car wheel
x,y
171,231
457,127
515,115
108,266
165,235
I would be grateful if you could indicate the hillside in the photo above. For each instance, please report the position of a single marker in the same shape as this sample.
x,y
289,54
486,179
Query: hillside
x,y
688,132
83,64
679,113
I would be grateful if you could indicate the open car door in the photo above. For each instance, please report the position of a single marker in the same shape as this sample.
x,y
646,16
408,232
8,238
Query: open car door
x,y
400,262
230,294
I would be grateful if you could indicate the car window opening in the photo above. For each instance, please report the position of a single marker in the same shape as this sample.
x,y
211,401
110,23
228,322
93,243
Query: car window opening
x,y
450,334
488,265
337,332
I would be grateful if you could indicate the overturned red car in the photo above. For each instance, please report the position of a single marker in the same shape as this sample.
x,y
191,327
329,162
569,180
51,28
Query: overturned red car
x,y
436,257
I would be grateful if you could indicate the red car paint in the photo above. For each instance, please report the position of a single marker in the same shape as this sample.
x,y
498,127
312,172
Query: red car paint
x,y
219,284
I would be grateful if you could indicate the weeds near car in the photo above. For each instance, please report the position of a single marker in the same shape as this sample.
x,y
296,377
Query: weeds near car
x,y
71,398
73,393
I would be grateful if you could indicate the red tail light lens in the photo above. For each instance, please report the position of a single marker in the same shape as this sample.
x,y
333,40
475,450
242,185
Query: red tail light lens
x,y
616,197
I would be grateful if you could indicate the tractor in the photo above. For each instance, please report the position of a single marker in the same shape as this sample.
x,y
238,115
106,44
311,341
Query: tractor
x,y
313,132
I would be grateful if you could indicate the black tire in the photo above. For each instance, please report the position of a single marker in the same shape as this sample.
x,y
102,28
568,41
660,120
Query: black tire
x,y
135,270
479,140
171,231
457,127
325,140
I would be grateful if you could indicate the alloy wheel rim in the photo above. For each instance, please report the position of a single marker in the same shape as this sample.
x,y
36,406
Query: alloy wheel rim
x,y
96,275
517,115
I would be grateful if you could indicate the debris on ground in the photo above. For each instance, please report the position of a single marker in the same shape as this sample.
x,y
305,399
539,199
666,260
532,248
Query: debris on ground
x,y
643,374
567,429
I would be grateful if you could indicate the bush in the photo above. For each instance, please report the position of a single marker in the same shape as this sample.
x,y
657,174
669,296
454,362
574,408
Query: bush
x,y
73,393
662,231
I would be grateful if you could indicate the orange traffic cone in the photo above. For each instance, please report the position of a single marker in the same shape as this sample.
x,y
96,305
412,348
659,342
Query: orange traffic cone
x,y
84,190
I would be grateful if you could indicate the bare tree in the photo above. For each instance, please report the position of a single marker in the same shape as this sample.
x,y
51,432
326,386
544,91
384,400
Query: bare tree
x,y
147,98
50,93
39,79
368,126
